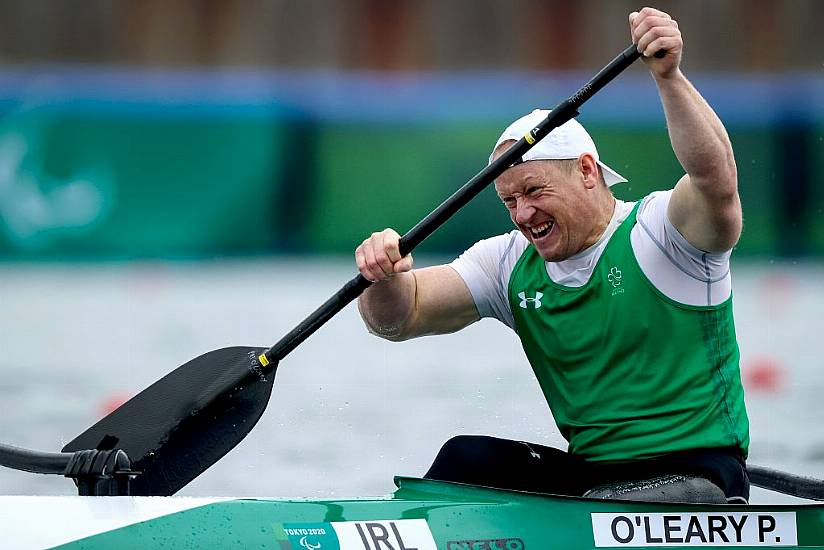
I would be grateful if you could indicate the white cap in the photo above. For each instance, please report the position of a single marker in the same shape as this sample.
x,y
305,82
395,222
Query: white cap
x,y
567,141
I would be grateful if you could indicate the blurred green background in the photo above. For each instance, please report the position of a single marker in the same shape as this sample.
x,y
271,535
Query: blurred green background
x,y
208,129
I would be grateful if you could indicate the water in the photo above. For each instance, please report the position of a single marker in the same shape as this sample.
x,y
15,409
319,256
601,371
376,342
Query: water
x,y
348,410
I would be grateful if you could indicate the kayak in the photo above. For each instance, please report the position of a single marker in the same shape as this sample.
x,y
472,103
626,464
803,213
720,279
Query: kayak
x,y
420,515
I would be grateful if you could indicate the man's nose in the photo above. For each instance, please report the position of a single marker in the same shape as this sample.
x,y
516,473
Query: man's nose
x,y
523,211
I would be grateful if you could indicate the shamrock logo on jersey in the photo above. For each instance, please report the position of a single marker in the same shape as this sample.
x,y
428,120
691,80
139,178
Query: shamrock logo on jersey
x,y
614,277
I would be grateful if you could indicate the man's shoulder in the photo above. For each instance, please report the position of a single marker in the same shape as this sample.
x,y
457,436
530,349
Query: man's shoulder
x,y
509,237
653,207
485,268
676,268
500,246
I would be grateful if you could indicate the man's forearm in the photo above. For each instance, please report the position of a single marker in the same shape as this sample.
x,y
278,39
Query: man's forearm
x,y
698,137
387,307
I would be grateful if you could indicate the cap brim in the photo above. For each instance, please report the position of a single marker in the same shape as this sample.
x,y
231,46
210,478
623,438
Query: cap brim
x,y
611,177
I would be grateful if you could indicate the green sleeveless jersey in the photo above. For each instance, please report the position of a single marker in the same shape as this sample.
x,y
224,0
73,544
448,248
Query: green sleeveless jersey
x,y
628,372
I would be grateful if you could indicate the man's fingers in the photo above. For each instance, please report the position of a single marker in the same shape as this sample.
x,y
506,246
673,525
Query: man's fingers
x,y
391,243
645,12
404,264
666,43
645,42
649,25
653,31
368,262
360,260
374,271
645,24
381,257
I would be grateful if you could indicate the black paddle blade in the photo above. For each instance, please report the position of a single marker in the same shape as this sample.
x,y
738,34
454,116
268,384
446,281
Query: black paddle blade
x,y
186,421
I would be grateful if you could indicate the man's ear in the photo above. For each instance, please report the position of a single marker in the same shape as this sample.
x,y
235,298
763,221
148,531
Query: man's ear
x,y
589,170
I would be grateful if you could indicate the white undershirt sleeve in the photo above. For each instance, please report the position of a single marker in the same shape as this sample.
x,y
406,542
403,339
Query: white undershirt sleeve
x,y
486,267
679,270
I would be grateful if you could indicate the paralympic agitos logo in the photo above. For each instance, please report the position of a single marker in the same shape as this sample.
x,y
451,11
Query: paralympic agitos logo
x,y
486,544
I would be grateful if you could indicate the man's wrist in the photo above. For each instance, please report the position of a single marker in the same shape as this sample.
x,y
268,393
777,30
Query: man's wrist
x,y
673,76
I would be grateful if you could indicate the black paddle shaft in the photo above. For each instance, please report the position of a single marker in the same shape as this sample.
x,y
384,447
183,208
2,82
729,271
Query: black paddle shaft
x,y
562,113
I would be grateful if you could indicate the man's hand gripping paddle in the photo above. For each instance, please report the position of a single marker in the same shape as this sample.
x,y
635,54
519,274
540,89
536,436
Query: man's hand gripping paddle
x,y
182,424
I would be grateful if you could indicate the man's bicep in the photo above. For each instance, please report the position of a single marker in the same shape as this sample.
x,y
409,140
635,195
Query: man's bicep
x,y
711,224
443,302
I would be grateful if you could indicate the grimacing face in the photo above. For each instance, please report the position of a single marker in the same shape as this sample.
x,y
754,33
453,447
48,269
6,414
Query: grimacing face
x,y
561,207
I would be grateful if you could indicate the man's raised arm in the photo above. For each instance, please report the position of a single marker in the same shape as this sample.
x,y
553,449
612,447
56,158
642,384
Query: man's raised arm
x,y
705,207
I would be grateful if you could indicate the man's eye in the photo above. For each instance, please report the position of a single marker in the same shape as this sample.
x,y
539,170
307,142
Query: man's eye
x,y
532,191
509,201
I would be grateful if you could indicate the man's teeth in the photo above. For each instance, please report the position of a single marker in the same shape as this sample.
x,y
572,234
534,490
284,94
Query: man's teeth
x,y
540,230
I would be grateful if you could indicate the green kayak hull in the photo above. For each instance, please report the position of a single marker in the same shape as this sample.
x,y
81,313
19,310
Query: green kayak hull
x,y
420,515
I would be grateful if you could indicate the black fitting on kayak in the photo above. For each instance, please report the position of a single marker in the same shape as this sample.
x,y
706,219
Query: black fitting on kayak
x,y
95,472
101,473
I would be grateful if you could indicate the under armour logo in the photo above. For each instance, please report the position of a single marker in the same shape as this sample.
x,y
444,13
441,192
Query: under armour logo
x,y
614,276
536,301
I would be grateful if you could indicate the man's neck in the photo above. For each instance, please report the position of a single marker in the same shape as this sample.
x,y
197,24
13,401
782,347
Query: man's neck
x,y
607,211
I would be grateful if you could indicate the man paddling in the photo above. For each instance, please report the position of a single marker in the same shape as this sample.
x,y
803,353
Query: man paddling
x,y
623,309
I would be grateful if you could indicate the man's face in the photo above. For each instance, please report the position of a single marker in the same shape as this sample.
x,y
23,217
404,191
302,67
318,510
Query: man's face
x,y
553,206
